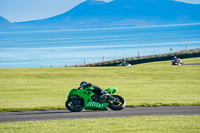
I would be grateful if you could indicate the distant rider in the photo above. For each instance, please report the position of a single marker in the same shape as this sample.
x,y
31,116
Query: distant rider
x,y
123,62
174,59
97,90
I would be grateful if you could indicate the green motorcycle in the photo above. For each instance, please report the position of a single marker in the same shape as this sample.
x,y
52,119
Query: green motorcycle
x,y
79,99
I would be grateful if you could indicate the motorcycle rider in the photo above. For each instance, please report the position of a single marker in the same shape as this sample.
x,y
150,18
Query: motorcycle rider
x,y
174,59
123,62
97,90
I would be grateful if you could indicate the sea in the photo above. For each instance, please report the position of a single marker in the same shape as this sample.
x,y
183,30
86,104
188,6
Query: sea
x,y
60,48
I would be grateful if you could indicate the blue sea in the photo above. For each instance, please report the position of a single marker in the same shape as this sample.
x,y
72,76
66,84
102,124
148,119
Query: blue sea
x,y
58,48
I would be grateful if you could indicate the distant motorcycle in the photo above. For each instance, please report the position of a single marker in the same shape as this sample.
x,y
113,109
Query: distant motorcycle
x,y
79,99
125,64
176,61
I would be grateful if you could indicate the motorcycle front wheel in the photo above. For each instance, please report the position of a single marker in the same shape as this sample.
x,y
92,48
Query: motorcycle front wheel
x,y
74,104
118,103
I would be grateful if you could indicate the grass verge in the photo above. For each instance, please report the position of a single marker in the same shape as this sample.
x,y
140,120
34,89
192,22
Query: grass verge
x,y
145,124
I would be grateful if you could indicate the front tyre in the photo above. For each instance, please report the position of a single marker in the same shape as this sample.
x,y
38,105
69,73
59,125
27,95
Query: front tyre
x,y
74,104
118,103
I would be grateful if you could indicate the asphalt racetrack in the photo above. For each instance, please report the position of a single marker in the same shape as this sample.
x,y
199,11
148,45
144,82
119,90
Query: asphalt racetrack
x,y
127,112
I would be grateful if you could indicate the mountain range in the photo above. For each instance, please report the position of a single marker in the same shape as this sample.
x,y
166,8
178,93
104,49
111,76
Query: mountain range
x,y
117,13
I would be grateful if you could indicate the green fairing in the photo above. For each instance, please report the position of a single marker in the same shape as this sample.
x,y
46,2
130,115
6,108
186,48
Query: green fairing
x,y
111,90
86,95
82,93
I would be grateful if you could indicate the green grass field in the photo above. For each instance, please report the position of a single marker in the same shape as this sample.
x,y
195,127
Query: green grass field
x,y
144,124
149,84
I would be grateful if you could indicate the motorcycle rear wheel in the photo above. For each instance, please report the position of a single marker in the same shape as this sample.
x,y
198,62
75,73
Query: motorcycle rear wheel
x,y
74,104
118,103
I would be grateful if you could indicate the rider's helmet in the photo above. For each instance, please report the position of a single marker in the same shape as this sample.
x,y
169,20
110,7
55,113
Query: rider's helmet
x,y
83,84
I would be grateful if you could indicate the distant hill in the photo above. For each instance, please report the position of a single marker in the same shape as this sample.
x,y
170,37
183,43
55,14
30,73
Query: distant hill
x,y
4,22
98,14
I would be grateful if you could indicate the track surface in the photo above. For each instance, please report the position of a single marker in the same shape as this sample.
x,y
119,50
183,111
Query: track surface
x,y
127,112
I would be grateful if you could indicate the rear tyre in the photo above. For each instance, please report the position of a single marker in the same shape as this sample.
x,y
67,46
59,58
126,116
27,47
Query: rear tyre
x,y
74,104
118,103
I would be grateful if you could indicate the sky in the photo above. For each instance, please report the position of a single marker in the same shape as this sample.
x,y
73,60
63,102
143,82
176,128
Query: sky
x,y
26,10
